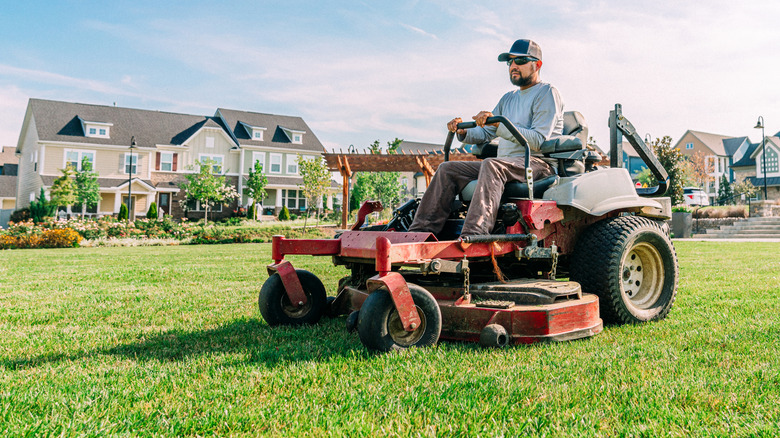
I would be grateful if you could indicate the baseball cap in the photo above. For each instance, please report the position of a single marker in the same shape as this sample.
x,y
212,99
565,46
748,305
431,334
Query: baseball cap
x,y
522,48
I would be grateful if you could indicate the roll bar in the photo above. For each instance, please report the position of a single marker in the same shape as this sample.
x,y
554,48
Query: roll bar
x,y
618,126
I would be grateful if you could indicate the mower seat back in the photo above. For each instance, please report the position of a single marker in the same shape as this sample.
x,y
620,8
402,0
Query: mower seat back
x,y
563,148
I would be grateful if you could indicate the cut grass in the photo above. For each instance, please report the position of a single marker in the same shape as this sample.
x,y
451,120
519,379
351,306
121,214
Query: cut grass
x,y
168,341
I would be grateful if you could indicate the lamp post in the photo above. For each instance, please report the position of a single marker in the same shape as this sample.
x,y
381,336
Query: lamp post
x,y
760,124
133,145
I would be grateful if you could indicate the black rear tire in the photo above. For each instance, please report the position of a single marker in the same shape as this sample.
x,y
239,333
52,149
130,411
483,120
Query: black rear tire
x,y
275,305
630,263
380,328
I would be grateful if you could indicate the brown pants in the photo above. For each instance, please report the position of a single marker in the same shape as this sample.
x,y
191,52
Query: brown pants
x,y
491,175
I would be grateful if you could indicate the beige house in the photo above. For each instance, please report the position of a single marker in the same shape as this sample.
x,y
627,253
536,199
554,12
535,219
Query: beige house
x,y
167,145
719,152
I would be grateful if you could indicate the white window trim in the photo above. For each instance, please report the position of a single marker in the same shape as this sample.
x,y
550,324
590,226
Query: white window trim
x,y
137,163
688,145
162,161
271,163
289,163
258,156
97,126
213,156
80,152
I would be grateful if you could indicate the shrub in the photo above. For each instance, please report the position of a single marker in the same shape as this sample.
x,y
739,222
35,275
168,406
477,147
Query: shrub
x,y
65,238
123,213
682,208
152,213
250,213
284,215
21,215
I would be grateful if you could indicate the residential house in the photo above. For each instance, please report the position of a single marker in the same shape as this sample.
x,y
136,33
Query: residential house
x,y
167,146
748,166
276,142
9,165
8,169
719,153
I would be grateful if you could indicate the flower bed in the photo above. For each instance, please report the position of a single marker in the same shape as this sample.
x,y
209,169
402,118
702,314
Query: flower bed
x,y
108,231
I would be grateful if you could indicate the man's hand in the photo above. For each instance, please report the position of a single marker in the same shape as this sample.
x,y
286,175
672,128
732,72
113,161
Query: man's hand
x,y
482,117
452,126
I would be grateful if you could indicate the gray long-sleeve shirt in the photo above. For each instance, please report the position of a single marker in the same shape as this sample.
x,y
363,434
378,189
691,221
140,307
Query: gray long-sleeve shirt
x,y
537,112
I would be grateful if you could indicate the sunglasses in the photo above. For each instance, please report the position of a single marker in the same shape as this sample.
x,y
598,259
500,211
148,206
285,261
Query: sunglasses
x,y
522,60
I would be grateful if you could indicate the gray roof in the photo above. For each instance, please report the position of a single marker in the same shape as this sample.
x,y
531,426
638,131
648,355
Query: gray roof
x,y
746,160
414,146
7,186
759,181
62,121
274,134
730,145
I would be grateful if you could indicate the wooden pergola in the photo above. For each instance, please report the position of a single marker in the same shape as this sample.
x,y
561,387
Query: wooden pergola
x,y
347,164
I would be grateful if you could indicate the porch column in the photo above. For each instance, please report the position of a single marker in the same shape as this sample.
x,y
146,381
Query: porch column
x,y
278,203
117,201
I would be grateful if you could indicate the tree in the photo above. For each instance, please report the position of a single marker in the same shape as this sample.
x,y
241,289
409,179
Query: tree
x,y
725,193
383,186
206,187
63,189
745,188
673,161
87,187
41,208
699,169
255,187
316,181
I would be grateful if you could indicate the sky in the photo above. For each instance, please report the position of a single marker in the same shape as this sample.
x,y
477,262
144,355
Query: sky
x,y
363,71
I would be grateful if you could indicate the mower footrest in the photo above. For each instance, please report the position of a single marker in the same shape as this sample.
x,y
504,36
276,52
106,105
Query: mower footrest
x,y
526,292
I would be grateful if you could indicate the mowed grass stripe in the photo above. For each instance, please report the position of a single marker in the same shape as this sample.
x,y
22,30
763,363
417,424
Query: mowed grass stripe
x,y
168,341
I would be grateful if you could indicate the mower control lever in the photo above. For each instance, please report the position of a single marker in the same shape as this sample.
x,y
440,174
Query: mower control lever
x,y
529,177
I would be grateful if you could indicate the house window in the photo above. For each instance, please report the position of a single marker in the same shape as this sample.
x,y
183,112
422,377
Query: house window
x,y
258,134
217,159
258,157
294,199
193,205
131,163
74,158
689,146
97,129
297,138
292,164
166,161
276,163
209,142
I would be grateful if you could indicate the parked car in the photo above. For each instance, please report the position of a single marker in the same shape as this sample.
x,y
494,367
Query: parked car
x,y
695,196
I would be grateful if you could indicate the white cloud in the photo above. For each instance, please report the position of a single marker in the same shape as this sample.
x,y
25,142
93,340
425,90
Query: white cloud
x,y
13,103
419,31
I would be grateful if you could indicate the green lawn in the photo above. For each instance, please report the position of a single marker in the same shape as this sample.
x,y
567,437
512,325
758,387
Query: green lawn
x,y
168,341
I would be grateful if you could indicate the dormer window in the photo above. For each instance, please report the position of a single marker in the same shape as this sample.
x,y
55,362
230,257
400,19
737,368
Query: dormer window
x,y
97,129
296,137
256,133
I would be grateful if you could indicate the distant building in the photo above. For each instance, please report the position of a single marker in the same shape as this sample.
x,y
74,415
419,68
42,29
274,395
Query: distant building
x,y
58,134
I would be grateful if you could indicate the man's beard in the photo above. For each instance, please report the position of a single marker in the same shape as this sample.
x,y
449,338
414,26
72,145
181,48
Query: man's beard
x,y
520,81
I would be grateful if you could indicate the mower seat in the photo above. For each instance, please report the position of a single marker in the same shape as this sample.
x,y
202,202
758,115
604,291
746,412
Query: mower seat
x,y
568,149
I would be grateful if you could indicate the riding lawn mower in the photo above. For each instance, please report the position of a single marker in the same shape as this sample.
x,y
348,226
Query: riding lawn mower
x,y
588,223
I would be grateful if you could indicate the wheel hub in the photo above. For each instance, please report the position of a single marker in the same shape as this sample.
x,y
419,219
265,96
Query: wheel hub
x,y
642,275
396,329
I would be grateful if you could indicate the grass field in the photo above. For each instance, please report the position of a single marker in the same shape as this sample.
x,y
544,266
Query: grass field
x,y
168,341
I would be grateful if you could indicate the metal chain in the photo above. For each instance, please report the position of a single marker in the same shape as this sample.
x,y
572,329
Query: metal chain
x,y
466,280
554,252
